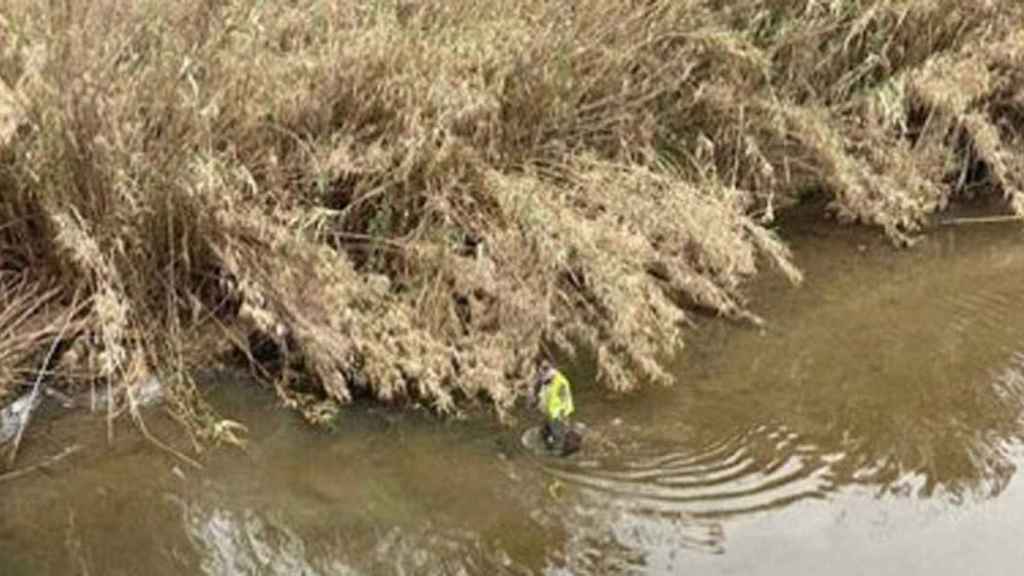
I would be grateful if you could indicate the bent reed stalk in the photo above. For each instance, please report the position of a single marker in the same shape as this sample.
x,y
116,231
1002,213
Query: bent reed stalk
x,y
407,200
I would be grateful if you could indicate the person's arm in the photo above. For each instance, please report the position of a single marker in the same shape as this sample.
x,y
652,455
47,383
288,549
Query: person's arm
x,y
565,395
534,394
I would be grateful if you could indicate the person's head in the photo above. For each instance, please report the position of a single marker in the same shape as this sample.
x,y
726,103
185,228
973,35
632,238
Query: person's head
x,y
545,371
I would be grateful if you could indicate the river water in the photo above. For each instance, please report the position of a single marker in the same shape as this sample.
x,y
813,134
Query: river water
x,y
873,426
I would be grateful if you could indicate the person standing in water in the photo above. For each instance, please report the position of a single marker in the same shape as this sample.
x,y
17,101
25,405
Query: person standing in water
x,y
552,394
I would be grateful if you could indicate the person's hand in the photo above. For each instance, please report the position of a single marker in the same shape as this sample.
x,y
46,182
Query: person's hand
x,y
531,394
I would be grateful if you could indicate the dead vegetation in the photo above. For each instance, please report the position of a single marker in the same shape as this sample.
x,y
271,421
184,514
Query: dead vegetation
x,y
404,200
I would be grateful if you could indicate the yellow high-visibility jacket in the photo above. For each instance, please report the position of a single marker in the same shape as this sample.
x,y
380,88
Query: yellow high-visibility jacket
x,y
556,397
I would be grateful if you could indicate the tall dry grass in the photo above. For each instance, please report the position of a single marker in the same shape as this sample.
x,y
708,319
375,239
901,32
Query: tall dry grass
x,y
407,200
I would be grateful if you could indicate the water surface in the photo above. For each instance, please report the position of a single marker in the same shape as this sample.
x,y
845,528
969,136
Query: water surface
x,y
872,427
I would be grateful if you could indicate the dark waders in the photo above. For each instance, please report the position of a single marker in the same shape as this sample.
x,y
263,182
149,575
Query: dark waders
x,y
555,431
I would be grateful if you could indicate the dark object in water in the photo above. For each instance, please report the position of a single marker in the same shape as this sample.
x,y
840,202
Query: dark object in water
x,y
534,439
561,437
572,442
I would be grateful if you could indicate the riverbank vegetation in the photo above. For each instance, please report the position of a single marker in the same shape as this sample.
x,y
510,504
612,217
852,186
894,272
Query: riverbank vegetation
x,y
407,200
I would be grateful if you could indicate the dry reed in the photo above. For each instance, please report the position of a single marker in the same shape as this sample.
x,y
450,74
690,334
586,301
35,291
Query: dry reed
x,y
407,200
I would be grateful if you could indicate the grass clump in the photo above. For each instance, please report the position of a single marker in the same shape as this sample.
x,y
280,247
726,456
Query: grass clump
x,y
404,200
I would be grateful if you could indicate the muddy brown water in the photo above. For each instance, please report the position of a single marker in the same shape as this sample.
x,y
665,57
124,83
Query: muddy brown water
x,y
873,426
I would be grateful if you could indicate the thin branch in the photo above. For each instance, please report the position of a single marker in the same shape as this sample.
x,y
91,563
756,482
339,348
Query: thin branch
x,y
42,465
34,398
158,443
982,220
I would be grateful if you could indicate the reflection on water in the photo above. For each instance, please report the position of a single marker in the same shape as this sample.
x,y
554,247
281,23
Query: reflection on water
x,y
248,543
879,413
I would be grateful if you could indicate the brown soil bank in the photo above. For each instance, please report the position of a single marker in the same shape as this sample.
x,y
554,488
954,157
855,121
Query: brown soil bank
x,y
406,199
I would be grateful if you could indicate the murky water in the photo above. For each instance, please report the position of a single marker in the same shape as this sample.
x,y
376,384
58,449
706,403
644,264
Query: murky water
x,y
873,427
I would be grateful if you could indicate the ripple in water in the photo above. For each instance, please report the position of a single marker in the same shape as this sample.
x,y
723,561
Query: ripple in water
x,y
756,469
984,318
